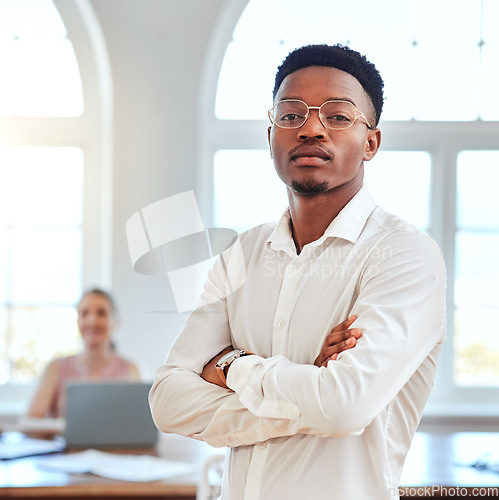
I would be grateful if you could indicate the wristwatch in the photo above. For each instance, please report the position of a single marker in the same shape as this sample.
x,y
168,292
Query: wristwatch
x,y
226,360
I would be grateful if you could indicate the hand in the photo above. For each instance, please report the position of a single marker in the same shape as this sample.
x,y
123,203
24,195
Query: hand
x,y
210,373
340,339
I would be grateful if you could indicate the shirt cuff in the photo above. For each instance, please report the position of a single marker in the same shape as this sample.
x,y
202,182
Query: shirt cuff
x,y
245,378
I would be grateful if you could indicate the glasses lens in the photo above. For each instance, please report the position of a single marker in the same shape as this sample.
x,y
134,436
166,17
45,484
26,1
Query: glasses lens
x,y
290,114
338,114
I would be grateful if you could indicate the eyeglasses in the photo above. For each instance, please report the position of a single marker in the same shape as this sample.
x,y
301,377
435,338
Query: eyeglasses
x,y
335,114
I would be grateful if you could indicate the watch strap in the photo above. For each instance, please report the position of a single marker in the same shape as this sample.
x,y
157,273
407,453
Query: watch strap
x,y
222,367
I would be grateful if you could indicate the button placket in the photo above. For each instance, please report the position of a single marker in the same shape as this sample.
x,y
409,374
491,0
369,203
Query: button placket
x,y
290,284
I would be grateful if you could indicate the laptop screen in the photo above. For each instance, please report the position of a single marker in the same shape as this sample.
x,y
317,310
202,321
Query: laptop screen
x,y
109,414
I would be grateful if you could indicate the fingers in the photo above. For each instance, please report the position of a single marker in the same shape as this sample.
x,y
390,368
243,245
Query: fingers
x,y
332,358
340,339
342,346
341,332
337,337
330,353
345,325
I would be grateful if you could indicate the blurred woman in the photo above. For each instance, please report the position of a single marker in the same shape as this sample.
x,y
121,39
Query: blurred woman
x,y
98,361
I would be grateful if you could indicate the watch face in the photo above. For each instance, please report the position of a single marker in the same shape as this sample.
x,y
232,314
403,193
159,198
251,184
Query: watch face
x,y
229,356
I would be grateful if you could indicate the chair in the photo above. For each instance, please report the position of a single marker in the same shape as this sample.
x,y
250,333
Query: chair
x,y
210,483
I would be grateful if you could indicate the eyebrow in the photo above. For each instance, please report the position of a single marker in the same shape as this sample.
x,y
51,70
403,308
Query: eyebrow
x,y
285,98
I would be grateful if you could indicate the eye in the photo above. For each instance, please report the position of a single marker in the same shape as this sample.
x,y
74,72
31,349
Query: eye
x,y
291,117
102,313
338,118
290,113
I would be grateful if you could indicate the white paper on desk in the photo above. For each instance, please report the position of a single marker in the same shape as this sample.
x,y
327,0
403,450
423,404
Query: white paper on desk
x,y
142,468
137,468
74,463
16,447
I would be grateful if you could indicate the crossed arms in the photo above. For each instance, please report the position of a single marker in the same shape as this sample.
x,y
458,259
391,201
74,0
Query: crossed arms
x,y
400,313
340,339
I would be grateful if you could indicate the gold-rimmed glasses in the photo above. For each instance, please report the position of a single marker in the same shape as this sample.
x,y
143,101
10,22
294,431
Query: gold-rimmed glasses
x,y
336,114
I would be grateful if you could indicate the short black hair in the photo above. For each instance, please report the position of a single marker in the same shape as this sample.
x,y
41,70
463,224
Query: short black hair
x,y
340,57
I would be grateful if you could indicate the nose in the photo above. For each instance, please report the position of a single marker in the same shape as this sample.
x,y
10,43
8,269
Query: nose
x,y
313,127
91,319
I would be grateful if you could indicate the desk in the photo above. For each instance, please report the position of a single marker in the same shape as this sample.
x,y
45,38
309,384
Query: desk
x,y
435,468
22,479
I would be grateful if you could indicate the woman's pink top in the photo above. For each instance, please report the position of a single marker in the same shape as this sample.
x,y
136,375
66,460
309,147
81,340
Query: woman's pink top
x,y
71,369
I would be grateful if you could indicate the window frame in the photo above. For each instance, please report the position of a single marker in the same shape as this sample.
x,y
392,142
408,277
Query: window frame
x,y
442,140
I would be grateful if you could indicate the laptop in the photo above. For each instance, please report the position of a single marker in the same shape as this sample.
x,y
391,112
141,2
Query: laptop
x,y
109,414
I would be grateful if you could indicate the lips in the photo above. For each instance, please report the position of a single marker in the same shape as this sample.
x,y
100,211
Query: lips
x,y
309,155
93,331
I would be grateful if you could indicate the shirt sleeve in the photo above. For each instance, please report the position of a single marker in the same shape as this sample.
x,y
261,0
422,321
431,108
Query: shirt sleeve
x,y
400,304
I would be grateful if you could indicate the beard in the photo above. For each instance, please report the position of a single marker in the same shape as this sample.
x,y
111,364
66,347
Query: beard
x,y
309,188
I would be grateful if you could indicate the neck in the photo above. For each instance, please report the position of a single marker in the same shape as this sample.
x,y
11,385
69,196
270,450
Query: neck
x,y
312,214
96,354
94,359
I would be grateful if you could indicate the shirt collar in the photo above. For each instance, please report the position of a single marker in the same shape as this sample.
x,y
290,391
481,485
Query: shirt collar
x,y
348,224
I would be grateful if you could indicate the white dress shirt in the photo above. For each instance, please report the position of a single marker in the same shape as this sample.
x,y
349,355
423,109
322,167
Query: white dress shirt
x,y
294,430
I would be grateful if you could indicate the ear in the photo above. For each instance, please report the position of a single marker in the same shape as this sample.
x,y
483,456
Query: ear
x,y
268,138
373,142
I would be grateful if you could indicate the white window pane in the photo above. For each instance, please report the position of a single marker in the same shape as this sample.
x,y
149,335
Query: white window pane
x,y
4,245
8,92
398,78
49,80
30,19
243,92
476,346
40,74
4,366
239,178
43,79
41,185
477,196
477,270
476,295
439,88
442,46
38,335
390,172
490,69
447,20
489,103
491,11
46,265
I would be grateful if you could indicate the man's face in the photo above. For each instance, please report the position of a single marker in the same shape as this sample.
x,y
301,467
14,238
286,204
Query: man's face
x,y
313,159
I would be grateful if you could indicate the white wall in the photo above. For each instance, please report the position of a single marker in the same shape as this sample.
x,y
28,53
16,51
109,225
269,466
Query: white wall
x,y
156,49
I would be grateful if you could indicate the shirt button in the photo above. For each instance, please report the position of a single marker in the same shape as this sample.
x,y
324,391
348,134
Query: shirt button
x,y
262,446
281,324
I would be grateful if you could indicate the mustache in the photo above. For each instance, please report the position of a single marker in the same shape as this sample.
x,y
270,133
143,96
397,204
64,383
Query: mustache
x,y
310,149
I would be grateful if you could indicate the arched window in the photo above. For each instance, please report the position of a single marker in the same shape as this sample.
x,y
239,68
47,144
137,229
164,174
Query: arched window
x,y
51,101
439,161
